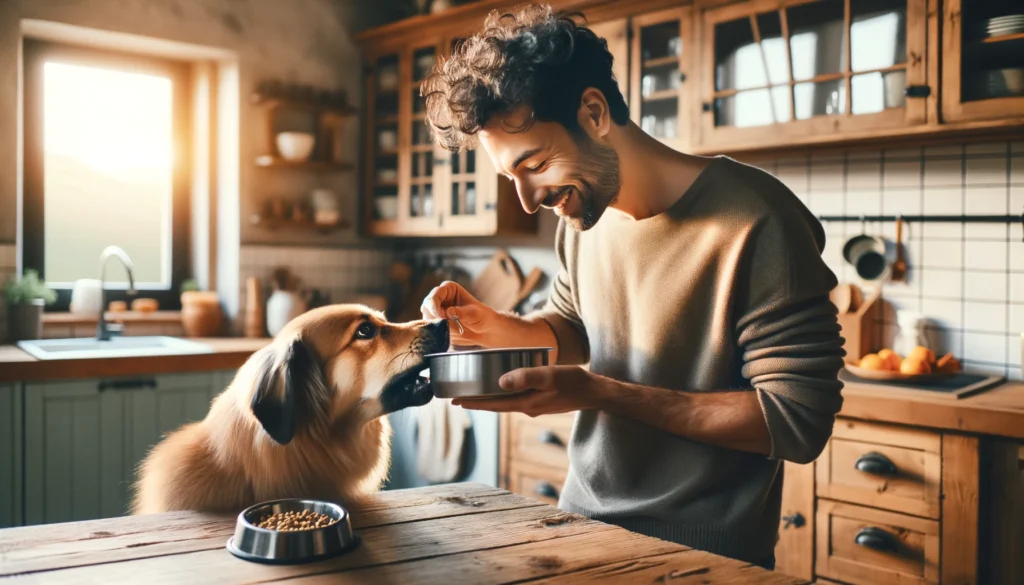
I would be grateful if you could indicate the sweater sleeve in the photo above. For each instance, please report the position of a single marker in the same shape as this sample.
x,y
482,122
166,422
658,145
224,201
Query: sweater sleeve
x,y
789,336
561,312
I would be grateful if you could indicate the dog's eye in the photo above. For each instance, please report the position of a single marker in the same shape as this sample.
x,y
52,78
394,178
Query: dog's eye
x,y
366,331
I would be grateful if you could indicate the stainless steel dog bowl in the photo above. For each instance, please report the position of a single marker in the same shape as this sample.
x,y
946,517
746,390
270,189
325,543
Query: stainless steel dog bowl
x,y
263,545
475,373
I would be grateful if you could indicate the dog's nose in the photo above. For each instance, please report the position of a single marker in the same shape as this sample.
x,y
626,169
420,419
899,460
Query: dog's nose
x,y
435,336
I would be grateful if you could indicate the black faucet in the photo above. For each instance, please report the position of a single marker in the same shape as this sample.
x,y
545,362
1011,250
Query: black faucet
x,y
105,331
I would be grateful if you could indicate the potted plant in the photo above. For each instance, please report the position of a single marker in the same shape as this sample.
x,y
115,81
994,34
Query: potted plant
x,y
26,297
201,315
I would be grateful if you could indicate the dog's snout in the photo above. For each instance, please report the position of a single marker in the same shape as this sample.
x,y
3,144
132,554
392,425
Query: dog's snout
x,y
435,336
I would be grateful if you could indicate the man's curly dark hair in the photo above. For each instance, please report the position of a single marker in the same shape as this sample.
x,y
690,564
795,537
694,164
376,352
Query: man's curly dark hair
x,y
530,55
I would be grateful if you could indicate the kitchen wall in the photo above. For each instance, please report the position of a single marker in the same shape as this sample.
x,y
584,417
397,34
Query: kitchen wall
x,y
968,279
303,41
345,274
7,267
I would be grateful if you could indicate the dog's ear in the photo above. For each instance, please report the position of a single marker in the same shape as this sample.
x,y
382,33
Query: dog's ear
x,y
289,386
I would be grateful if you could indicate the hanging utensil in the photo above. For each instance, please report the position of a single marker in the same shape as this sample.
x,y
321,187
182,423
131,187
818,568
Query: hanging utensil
x,y
899,266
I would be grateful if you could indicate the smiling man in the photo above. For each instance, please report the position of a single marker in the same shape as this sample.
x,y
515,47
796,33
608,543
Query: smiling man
x,y
694,288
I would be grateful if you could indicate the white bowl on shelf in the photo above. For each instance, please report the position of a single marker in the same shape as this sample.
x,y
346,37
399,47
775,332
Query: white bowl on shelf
x,y
387,206
295,146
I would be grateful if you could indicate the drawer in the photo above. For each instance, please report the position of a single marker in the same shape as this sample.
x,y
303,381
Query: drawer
x,y
542,440
860,545
883,467
536,482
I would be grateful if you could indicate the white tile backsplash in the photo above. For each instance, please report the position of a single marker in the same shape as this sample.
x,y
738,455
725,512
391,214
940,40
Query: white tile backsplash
x,y
968,279
864,175
902,174
985,286
988,170
982,316
984,255
943,253
943,172
985,347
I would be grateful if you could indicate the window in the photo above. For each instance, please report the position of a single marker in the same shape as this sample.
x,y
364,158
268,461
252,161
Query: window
x,y
105,164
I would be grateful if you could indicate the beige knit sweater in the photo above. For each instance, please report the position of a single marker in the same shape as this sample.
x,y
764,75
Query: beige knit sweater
x,y
724,291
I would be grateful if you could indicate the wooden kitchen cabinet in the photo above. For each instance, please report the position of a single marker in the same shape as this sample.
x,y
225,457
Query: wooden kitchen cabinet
x,y
973,55
10,455
412,186
84,438
774,71
660,97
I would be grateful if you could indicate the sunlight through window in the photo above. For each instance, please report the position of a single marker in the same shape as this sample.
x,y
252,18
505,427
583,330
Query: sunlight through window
x,y
108,170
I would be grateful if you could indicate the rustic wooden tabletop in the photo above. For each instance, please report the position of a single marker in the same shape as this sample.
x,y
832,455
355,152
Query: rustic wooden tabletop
x,y
459,533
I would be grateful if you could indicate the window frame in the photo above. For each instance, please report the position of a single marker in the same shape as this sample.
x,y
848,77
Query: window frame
x,y
35,54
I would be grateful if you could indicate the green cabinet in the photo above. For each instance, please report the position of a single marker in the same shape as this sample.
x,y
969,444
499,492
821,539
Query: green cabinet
x,y
84,438
10,455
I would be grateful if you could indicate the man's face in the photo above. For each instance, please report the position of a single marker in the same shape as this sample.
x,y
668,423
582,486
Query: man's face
x,y
575,176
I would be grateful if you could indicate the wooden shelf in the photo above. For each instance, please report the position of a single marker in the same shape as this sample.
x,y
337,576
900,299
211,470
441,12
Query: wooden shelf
x,y
387,183
661,61
387,120
269,102
1002,39
268,161
665,94
275,223
387,152
423,148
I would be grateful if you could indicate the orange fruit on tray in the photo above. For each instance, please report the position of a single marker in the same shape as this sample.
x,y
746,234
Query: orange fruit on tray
x,y
947,364
873,362
892,358
922,354
915,366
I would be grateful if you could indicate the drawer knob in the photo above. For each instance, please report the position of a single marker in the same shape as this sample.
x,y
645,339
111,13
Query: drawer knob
x,y
875,464
550,438
545,489
875,539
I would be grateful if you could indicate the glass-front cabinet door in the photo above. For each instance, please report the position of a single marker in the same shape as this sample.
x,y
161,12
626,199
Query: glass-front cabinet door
x,y
381,159
661,52
983,59
776,72
419,207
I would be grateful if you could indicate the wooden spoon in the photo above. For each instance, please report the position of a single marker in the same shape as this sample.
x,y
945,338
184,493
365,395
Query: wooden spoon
x,y
899,266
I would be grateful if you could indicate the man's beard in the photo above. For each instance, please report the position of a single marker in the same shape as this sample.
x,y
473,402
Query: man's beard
x,y
597,182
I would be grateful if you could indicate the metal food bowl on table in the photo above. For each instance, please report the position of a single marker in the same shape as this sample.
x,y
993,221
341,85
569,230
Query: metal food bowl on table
x,y
264,545
475,373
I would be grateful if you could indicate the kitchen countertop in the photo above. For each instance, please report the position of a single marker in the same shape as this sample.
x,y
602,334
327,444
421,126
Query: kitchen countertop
x,y
228,353
457,533
998,411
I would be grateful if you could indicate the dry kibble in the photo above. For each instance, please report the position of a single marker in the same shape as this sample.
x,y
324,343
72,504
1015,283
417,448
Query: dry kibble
x,y
291,521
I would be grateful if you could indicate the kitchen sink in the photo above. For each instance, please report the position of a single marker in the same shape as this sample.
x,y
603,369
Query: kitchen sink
x,y
90,347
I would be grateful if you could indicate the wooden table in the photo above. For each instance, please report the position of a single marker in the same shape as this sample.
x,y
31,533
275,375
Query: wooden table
x,y
459,533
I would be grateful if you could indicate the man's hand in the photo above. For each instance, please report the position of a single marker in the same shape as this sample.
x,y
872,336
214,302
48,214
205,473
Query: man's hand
x,y
543,390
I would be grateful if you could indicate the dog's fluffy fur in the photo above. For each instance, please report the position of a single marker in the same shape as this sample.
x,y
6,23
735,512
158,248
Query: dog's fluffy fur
x,y
302,418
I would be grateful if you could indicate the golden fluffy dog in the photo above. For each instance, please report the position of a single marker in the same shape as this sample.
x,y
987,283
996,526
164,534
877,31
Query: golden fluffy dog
x,y
302,418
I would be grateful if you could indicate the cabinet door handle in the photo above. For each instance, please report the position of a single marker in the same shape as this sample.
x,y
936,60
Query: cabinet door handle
x,y
875,464
795,520
132,384
545,489
550,438
875,539
490,206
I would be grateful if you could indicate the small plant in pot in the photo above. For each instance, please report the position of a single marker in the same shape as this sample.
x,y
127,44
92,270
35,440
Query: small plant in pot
x,y
201,314
26,297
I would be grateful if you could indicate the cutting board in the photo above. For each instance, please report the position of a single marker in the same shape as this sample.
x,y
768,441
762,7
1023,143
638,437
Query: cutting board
x,y
499,284
953,388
